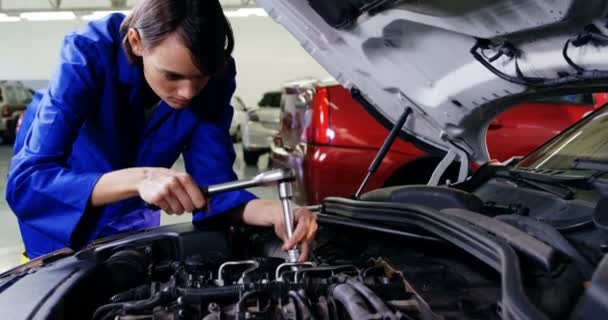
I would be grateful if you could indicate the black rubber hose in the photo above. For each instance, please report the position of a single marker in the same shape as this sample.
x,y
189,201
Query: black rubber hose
x,y
113,314
296,306
140,293
303,308
352,301
240,304
143,304
332,308
101,311
373,299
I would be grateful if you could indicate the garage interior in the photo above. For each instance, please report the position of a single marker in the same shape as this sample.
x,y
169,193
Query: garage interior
x,y
422,160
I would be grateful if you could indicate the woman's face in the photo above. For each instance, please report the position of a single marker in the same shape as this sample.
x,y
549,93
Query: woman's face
x,y
169,69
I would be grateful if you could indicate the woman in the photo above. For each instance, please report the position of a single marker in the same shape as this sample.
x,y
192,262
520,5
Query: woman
x,y
129,97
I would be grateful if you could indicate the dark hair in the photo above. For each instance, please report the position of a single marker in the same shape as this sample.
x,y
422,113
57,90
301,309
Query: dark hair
x,y
200,23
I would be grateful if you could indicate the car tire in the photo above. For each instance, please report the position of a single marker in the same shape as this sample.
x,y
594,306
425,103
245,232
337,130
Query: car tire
x,y
251,157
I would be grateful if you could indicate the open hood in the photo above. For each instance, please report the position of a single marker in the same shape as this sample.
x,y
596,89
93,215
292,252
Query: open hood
x,y
456,64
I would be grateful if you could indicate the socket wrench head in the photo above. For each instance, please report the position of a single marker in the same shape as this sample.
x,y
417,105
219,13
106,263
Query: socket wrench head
x,y
273,176
285,190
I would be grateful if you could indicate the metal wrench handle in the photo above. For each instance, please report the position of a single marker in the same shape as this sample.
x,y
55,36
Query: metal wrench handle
x,y
285,195
264,178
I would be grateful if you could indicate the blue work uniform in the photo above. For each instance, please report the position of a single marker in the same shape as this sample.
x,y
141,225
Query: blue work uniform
x,y
90,121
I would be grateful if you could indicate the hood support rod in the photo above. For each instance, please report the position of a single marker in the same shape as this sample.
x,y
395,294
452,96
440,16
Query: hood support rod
x,y
384,149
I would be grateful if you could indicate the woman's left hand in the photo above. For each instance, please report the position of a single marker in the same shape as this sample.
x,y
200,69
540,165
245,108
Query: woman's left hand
x,y
305,230
270,213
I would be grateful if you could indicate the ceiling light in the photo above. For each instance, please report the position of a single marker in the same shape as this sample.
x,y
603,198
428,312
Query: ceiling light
x,y
48,16
101,14
5,18
246,12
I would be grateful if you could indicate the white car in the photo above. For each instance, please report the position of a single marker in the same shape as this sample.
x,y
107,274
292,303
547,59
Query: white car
x,y
261,126
238,118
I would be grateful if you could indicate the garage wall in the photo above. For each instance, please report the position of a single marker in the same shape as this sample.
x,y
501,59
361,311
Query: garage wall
x,y
266,54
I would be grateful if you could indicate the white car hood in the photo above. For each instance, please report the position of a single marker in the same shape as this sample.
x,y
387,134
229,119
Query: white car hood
x,y
417,54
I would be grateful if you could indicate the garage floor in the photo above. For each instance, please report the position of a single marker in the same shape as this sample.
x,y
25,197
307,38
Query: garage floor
x,y
10,240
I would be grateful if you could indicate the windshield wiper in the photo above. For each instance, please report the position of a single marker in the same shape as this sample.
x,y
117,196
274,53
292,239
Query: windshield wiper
x,y
590,164
558,189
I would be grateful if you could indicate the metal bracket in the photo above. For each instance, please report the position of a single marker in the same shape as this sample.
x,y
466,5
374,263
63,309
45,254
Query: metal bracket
x,y
454,154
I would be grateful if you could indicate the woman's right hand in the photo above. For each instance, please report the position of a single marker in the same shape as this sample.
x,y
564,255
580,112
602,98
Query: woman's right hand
x,y
174,192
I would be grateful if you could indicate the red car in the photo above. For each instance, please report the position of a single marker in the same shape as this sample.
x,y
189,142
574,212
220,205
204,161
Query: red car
x,y
321,139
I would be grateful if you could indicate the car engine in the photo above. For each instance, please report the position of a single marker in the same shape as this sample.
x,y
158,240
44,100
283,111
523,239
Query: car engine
x,y
262,288
380,257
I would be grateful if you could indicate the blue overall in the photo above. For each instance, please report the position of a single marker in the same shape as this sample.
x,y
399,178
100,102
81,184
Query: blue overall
x,y
91,121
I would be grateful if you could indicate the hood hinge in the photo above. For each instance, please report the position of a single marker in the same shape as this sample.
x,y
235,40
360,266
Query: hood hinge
x,y
453,154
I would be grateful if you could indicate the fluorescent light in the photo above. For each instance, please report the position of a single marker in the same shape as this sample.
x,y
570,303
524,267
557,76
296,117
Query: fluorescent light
x,y
100,14
5,18
48,16
70,15
246,12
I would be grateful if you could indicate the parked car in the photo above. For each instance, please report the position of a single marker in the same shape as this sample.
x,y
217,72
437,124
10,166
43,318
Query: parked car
x,y
14,98
261,125
238,118
320,138
523,240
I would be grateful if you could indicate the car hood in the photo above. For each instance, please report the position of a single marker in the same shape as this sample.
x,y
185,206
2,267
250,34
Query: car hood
x,y
418,54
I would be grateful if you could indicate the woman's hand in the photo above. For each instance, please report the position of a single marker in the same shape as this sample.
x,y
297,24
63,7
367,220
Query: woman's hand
x,y
173,192
270,213
305,224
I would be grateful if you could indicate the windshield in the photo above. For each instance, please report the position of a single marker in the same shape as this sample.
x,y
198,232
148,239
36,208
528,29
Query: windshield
x,y
587,140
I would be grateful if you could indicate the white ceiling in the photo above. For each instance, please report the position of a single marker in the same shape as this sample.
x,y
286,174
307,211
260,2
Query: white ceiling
x,y
31,5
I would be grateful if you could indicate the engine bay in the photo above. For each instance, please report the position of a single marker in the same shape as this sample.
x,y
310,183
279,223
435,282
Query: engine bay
x,y
192,276
354,273
411,252
266,288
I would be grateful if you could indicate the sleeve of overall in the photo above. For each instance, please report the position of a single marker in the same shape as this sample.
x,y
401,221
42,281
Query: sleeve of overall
x,y
42,190
210,154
